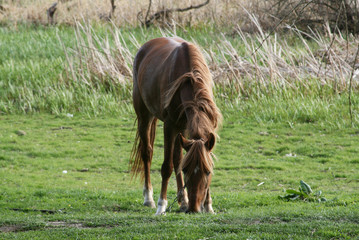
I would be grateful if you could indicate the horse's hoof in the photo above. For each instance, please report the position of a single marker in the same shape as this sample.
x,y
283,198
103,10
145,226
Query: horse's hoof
x,y
160,214
209,209
162,205
149,204
211,212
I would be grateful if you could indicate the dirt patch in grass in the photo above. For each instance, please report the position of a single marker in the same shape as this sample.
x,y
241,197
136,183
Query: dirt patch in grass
x,y
59,224
13,228
54,224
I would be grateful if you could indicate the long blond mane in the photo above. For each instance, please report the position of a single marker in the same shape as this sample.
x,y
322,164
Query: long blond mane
x,y
202,105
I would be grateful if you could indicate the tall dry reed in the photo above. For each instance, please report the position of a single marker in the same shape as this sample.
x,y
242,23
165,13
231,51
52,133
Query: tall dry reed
x,y
259,61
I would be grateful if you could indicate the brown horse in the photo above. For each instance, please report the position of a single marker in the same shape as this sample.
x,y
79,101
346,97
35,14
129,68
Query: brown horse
x,y
172,82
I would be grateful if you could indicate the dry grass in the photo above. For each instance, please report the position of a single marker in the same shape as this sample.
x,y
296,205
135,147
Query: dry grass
x,y
127,13
277,64
93,61
256,64
269,13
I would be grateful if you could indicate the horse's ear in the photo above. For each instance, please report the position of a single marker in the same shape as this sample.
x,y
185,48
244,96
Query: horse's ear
x,y
211,140
186,144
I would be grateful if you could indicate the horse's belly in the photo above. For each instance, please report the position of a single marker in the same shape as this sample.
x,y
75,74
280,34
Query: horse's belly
x,y
152,97
154,109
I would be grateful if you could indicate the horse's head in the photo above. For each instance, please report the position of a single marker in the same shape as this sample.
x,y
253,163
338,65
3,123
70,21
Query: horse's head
x,y
197,167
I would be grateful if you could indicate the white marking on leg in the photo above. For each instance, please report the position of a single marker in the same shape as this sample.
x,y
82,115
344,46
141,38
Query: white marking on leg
x,y
208,204
162,205
148,195
208,208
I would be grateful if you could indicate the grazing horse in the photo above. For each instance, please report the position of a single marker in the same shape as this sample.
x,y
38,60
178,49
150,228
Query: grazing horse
x,y
172,82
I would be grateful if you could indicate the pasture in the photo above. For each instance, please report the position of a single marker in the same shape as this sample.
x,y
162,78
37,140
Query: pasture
x,y
65,144
97,199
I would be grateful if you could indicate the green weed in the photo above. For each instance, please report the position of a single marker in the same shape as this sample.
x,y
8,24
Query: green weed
x,y
305,193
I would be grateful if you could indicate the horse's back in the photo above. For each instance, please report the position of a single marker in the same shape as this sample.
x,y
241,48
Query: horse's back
x,y
156,65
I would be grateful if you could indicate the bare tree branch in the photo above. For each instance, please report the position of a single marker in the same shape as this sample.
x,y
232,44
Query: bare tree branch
x,y
275,27
2,9
165,12
332,41
350,86
112,9
148,10
318,13
50,13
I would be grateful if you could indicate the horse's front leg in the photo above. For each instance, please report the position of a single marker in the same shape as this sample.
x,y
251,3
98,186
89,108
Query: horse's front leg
x,y
181,191
167,167
208,203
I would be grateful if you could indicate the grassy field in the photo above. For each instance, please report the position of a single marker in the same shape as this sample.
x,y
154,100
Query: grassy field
x,y
96,198
65,144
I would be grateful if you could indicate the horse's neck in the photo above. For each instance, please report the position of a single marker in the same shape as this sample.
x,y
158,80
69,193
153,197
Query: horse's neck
x,y
197,122
187,96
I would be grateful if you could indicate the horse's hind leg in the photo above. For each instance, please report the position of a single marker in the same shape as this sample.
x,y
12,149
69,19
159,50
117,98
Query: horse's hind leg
x,y
146,133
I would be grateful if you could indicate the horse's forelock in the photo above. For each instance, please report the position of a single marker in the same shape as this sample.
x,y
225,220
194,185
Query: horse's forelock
x,y
197,159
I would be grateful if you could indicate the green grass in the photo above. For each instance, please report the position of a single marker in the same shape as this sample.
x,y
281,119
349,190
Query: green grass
x,y
104,202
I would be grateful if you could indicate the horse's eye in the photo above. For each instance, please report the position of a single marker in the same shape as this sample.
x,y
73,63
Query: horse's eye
x,y
208,173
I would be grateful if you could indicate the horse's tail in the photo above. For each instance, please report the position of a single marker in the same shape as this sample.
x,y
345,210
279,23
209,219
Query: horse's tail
x,y
138,148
